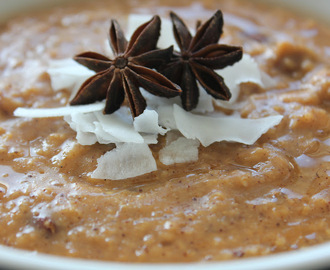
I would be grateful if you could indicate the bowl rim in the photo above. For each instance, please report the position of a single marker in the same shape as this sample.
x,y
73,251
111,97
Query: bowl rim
x,y
306,258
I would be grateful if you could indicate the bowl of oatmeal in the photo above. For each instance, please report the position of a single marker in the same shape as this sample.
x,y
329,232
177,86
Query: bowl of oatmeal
x,y
231,184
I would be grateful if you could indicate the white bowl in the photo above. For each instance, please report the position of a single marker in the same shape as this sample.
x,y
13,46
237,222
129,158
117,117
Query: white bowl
x,y
309,258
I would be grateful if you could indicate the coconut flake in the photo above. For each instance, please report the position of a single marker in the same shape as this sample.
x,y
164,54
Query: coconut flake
x,y
115,128
150,138
180,150
102,136
205,102
125,161
246,70
67,74
86,138
147,122
83,125
215,129
57,112
154,102
166,117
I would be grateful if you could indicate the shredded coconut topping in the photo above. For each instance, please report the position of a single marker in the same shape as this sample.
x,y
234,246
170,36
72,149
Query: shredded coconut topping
x,y
125,161
132,156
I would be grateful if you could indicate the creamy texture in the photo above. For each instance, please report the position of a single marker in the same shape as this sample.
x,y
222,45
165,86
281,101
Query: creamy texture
x,y
235,201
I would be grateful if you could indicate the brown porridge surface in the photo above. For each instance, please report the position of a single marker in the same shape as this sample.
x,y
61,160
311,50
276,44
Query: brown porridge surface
x,y
235,201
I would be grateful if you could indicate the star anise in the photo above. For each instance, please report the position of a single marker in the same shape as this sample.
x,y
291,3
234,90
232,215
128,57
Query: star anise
x,y
132,68
198,57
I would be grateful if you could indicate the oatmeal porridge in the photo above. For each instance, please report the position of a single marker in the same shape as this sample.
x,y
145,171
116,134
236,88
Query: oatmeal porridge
x,y
235,200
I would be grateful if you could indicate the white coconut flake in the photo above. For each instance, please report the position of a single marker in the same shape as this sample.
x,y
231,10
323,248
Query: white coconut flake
x,y
180,150
205,102
147,122
166,117
84,121
86,138
67,74
126,161
215,129
115,128
102,136
150,138
57,112
83,124
116,124
154,102
107,129
166,38
246,70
